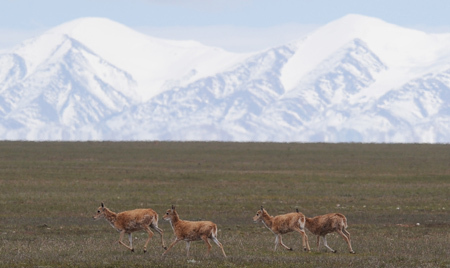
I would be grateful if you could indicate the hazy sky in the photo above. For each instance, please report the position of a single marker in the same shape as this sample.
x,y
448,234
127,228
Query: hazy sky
x,y
237,25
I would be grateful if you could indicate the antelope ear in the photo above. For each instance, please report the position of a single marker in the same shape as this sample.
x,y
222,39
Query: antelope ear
x,y
103,205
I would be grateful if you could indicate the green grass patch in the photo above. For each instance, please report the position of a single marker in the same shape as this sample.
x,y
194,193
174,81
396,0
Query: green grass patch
x,y
395,197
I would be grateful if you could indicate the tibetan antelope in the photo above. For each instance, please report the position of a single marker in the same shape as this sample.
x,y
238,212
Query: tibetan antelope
x,y
328,223
283,224
130,221
191,231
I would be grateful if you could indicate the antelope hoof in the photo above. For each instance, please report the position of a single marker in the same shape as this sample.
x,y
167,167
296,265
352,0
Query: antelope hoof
x,y
145,251
334,251
290,249
352,252
165,248
132,250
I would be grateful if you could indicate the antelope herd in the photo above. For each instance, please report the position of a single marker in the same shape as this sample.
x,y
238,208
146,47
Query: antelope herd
x,y
127,222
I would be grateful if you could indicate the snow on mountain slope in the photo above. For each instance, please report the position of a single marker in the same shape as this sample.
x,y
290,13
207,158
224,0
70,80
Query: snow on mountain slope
x,y
155,64
79,74
403,50
70,88
357,79
213,108
323,98
421,107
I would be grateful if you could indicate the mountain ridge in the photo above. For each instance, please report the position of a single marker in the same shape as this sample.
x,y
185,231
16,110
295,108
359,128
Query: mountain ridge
x,y
356,79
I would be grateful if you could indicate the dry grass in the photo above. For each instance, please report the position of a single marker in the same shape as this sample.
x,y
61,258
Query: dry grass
x,y
49,192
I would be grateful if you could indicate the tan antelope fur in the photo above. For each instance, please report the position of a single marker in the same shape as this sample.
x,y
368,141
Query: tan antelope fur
x,y
328,223
191,231
283,224
130,221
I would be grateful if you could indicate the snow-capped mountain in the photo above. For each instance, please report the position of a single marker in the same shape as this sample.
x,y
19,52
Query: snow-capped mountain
x,y
356,79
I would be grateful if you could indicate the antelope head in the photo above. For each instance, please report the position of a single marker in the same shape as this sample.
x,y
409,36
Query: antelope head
x,y
169,214
258,217
100,212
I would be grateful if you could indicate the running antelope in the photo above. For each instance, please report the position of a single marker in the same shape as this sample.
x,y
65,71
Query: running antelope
x,y
191,231
283,224
130,221
329,223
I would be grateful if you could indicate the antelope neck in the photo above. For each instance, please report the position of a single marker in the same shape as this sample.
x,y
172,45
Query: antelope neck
x,y
267,219
109,215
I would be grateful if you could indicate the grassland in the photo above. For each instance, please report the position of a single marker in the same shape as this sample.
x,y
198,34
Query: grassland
x,y
396,199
